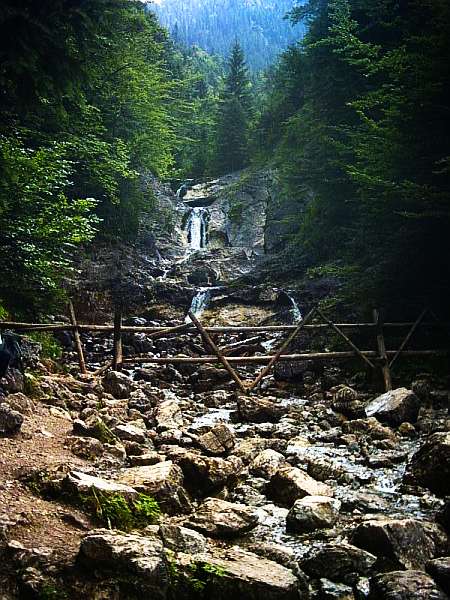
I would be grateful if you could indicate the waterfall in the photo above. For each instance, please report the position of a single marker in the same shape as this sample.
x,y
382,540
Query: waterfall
x,y
200,302
295,310
197,228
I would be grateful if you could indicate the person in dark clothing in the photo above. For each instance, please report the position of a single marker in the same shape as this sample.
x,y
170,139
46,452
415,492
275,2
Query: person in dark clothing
x,y
10,353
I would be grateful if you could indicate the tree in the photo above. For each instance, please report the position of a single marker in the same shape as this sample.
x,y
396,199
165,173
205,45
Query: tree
x,y
233,115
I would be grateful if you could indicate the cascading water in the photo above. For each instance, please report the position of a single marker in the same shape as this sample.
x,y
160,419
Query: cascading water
x,y
197,228
296,312
200,302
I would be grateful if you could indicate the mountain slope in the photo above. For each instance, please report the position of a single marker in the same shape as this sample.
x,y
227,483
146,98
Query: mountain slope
x,y
214,25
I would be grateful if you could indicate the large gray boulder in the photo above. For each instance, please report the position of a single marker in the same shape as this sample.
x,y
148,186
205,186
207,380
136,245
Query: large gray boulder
x,y
395,407
339,562
10,421
138,560
400,543
117,384
218,441
405,585
259,410
289,484
82,483
205,475
430,465
221,519
311,513
163,481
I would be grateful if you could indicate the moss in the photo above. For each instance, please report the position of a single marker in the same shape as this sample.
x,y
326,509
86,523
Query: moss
x,y
51,348
117,512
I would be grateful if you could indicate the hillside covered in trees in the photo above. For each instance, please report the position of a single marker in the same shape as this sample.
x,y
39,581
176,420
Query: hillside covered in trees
x,y
215,25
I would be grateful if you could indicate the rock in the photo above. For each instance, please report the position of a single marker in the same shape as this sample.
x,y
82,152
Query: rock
x,y
370,427
220,440
289,484
82,483
334,591
407,430
400,543
168,416
267,463
88,448
10,421
163,481
117,384
430,465
137,560
146,459
443,516
205,475
217,518
311,513
292,371
235,573
130,433
439,569
339,562
182,539
395,407
405,585
259,410
21,403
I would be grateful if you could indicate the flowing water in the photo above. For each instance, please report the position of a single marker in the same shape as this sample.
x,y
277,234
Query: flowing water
x,y
197,228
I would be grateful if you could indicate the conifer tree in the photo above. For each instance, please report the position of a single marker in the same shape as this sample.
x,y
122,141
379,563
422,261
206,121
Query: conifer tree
x,y
233,115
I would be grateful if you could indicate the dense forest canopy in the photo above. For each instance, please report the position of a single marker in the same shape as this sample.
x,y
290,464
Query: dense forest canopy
x,y
353,117
214,25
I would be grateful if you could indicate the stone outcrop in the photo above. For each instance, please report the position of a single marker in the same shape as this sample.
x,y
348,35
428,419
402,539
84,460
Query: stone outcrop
x,y
259,410
339,562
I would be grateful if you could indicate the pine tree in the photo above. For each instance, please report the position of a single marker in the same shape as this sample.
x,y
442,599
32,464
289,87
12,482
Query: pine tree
x,y
233,115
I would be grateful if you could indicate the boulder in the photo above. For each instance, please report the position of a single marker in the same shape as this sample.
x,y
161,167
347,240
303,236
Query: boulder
x,y
117,384
289,484
130,433
267,463
395,407
430,465
163,481
369,427
21,403
82,483
205,475
182,539
400,543
137,560
259,410
329,590
405,585
221,519
339,562
88,448
439,569
10,421
235,573
168,416
220,440
311,513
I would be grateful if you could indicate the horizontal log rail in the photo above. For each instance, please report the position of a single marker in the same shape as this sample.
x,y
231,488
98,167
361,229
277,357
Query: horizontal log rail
x,y
189,329
263,360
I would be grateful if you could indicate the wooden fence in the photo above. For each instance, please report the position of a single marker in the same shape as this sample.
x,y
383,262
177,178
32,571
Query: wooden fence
x,y
381,359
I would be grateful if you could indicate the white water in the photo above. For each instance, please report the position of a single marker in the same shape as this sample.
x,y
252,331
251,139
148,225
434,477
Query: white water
x,y
197,227
200,302
296,312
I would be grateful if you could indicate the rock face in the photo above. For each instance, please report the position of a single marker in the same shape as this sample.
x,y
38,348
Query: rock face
x,y
137,559
430,466
340,562
236,573
10,420
399,543
259,410
217,518
395,407
289,484
405,585
163,481
311,513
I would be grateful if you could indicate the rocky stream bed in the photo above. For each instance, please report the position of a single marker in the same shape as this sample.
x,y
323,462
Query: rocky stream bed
x,y
166,483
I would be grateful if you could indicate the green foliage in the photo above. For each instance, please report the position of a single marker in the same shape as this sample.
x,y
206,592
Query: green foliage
x,y
357,113
50,591
118,512
50,347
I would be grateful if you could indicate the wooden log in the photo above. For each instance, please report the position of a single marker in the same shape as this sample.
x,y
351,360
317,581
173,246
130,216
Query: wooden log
x,y
263,360
382,354
409,336
346,339
118,353
216,350
77,339
281,351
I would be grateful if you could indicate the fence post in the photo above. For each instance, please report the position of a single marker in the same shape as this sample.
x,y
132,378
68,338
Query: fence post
x,y
118,354
382,355
77,338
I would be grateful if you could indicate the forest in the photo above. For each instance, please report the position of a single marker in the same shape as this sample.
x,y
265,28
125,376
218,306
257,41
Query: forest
x,y
353,117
